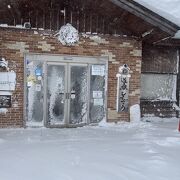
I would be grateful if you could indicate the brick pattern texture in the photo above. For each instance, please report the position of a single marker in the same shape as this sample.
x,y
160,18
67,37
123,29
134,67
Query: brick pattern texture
x,y
120,50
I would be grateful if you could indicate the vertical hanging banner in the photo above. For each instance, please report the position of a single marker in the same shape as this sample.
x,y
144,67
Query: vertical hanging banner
x,y
123,89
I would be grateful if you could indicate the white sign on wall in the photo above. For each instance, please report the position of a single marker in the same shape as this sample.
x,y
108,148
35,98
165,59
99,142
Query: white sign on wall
x,y
98,70
38,87
7,81
98,102
97,94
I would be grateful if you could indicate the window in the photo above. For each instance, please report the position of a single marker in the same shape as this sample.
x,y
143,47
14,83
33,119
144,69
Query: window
x,y
158,87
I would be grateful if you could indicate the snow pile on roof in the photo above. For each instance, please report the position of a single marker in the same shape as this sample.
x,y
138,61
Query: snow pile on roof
x,y
168,9
177,35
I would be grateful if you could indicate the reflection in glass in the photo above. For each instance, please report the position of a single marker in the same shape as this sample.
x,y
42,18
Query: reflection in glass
x,y
34,93
78,95
97,96
55,94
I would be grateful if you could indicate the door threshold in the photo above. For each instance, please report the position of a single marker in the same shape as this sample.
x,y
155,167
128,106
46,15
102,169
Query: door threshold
x,y
34,125
67,126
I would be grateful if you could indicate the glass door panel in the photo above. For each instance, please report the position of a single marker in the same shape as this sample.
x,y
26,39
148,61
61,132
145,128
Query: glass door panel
x,y
56,94
35,93
97,93
72,93
78,94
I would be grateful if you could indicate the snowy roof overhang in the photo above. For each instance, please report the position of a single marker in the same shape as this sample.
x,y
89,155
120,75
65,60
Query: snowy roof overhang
x,y
153,18
147,15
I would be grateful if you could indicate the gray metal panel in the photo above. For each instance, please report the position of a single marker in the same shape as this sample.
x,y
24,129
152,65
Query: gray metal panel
x,y
67,58
25,95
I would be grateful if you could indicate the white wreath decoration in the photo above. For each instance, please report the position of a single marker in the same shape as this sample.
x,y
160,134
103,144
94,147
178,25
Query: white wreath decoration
x,y
68,35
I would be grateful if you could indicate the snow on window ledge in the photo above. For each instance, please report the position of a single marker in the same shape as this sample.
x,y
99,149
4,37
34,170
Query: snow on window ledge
x,y
177,35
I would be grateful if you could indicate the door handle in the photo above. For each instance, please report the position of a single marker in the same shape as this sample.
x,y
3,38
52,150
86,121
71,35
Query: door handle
x,y
68,95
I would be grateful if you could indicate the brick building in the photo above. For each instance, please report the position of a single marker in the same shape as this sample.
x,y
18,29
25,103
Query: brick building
x,y
99,77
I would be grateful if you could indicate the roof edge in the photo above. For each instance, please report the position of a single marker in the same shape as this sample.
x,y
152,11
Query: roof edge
x,y
147,15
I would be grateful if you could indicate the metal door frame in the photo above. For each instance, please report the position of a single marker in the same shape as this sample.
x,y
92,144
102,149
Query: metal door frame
x,y
62,59
67,101
45,94
25,118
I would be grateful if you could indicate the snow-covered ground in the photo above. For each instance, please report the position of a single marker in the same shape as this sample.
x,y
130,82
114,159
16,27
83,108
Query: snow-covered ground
x,y
129,151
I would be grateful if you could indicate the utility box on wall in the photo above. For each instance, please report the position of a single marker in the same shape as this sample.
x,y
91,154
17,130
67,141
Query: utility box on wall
x,y
7,81
123,89
7,85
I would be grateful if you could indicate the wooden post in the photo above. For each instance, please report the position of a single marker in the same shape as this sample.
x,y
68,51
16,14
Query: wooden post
x,y
58,19
90,23
43,20
84,25
36,18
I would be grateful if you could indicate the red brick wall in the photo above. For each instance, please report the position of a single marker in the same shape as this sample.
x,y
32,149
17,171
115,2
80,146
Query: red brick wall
x,y
120,50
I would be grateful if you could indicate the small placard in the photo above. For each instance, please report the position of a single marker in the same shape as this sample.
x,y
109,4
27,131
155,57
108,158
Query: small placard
x,y
38,87
39,78
97,94
98,70
5,101
98,102
38,71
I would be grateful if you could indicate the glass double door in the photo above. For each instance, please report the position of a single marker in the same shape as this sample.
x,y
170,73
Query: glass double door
x,y
67,94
